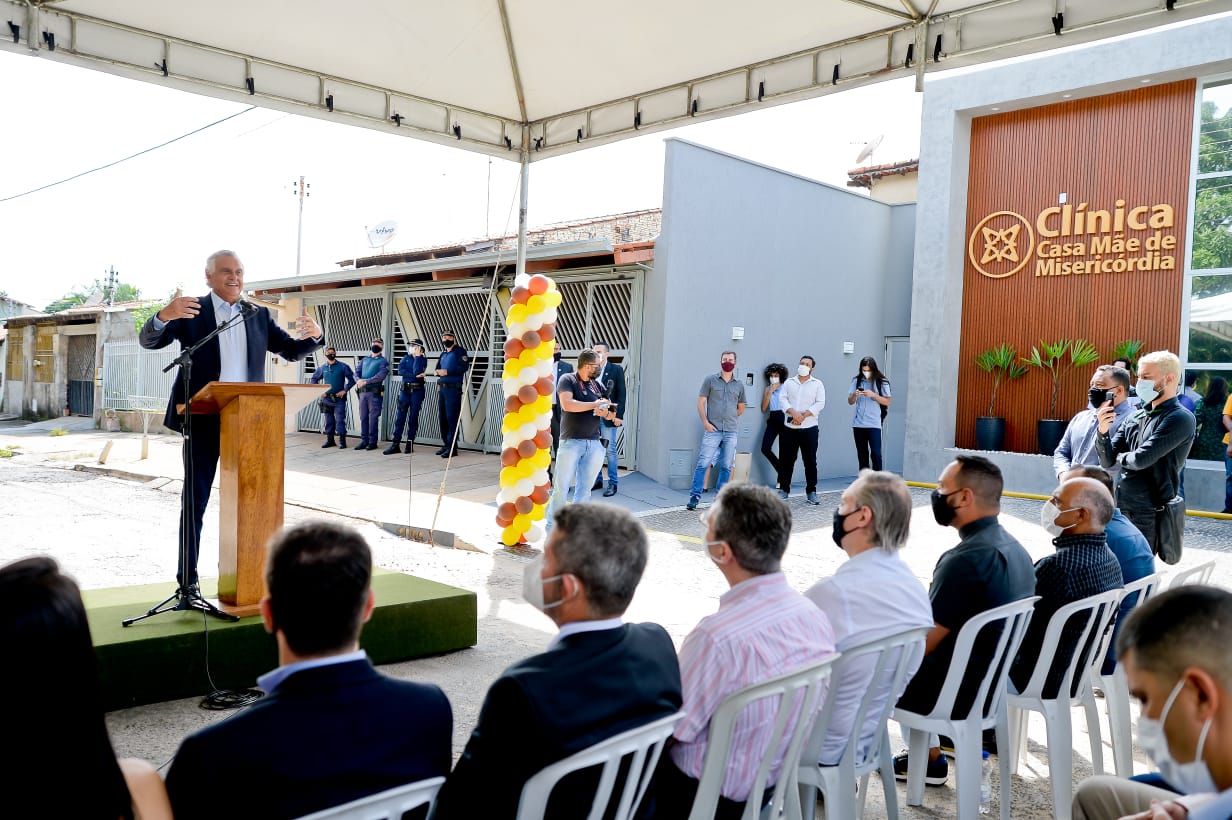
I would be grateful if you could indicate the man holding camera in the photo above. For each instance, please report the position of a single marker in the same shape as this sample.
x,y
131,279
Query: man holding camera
x,y
340,378
1077,448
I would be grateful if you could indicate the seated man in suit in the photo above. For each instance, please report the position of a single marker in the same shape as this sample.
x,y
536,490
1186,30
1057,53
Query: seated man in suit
x,y
763,629
331,728
598,678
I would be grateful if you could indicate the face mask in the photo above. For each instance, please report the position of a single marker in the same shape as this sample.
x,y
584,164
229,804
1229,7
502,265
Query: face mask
x,y
706,545
446,343
728,366
375,349
943,513
839,520
556,357
1191,777
1146,391
1098,395
868,374
416,351
331,356
532,585
1048,518
803,371
774,379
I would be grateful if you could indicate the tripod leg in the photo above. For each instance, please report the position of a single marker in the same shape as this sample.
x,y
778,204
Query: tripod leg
x,y
156,610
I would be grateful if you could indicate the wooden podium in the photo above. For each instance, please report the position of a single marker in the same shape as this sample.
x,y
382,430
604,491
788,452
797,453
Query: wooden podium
x,y
252,459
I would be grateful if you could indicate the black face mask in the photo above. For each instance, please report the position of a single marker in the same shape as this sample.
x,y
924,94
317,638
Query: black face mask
x,y
1097,396
839,520
376,349
943,513
556,357
446,343
331,356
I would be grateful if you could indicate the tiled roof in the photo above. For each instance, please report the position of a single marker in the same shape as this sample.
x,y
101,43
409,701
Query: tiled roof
x,y
866,176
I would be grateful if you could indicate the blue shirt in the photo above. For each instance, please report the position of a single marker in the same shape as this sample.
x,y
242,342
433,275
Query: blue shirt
x,y
270,680
374,368
338,376
868,411
774,400
1134,555
455,362
409,368
1077,446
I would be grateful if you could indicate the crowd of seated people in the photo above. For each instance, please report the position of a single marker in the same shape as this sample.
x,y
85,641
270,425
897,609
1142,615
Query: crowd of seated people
x,y
332,728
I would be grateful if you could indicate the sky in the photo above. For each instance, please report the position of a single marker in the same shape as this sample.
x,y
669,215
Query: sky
x,y
155,218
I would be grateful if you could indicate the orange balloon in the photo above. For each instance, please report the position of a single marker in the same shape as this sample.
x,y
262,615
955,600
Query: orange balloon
x,y
527,448
528,393
544,386
531,339
509,457
540,494
513,404
506,511
524,505
538,284
548,332
543,440
520,295
514,348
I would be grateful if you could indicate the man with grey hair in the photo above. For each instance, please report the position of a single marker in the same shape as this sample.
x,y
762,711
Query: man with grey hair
x,y
598,678
235,355
763,629
1077,447
873,595
1075,516
1151,446
1174,650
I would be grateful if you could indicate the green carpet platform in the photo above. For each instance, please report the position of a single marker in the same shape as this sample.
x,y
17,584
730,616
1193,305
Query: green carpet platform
x,y
163,658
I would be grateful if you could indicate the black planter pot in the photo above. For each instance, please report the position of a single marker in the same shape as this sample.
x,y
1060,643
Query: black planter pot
x,y
990,433
1049,432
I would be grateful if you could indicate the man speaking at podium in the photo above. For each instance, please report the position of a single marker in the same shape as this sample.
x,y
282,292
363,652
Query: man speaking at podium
x,y
235,355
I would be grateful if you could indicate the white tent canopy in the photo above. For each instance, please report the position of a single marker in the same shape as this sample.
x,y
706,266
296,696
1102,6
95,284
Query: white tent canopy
x,y
561,74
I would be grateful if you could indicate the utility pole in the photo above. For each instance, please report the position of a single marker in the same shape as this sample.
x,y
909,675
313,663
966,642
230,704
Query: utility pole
x,y
112,281
300,189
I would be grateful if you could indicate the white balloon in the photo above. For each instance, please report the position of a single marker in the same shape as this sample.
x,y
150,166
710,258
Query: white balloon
x,y
539,477
529,376
506,496
521,280
515,329
534,532
527,431
524,487
510,439
549,315
534,322
543,422
543,368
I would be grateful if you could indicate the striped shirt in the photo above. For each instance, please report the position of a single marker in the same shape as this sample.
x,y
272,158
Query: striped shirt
x,y
763,629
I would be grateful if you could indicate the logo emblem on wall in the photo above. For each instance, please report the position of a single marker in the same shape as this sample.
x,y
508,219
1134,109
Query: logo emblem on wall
x,y
1001,244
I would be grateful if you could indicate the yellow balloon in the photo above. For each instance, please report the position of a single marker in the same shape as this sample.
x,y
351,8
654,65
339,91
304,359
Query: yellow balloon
x,y
508,477
544,351
520,523
542,405
553,298
528,358
535,304
517,314
538,512
509,536
541,459
513,367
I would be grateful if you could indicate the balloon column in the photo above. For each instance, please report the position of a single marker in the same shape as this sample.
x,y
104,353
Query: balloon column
x,y
527,427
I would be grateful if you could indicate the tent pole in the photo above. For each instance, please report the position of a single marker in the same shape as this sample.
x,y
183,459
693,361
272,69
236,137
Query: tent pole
x,y
523,198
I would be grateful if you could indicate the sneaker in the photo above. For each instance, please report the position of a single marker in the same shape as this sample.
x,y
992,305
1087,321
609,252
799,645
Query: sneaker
x,y
694,500
936,775
988,741
947,746
813,499
783,494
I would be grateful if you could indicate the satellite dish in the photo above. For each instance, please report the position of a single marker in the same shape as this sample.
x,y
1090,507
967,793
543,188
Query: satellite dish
x,y
869,148
380,235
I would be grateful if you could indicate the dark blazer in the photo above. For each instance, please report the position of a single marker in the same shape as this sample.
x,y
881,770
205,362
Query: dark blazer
x,y
264,336
323,737
587,688
613,378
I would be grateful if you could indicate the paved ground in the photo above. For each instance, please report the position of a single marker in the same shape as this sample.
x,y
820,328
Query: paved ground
x,y
111,524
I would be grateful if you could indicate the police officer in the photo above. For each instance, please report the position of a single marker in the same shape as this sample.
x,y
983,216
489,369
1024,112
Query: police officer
x,y
412,368
340,378
451,369
371,385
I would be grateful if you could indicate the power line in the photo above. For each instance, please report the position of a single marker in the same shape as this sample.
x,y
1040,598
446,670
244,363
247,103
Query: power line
x,y
126,159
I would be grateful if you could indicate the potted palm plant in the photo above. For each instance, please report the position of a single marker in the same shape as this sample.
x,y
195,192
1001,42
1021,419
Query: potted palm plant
x,y
1002,364
1053,358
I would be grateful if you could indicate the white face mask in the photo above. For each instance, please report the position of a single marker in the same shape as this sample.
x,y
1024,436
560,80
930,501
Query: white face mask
x,y
803,370
1048,518
1147,392
532,585
1190,778
774,379
868,374
706,545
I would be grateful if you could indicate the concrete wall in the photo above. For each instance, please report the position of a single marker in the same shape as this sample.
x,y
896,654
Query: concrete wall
x,y
1197,49
800,265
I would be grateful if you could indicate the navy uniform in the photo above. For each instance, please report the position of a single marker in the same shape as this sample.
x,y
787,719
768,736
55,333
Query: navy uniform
x,y
372,372
451,369
340,378
412,368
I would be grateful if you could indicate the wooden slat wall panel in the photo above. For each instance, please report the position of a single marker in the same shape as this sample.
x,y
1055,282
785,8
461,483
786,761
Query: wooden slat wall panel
x,y
1133,146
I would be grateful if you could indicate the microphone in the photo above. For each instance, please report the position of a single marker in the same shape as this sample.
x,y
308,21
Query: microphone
x,y
247,307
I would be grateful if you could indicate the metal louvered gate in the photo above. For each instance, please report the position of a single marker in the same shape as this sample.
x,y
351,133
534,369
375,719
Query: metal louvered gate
x,y
81,367
349,326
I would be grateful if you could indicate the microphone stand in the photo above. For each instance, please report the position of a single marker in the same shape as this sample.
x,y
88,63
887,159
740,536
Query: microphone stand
x,y
187,597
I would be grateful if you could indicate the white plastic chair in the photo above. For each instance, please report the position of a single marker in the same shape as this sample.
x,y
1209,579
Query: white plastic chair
x,y
988,711
387,805
1200,574
880,670
1088,652
1116,688
645,744
800,696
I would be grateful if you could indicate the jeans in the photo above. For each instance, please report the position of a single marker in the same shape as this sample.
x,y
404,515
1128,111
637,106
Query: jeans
x,y
578,462
804,442
715,442
774,431
370,403
409,403
613,456
868,440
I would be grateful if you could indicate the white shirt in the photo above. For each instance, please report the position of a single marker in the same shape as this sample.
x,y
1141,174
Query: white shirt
x,y
270,680
574,627
807,396
871,596
232,342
